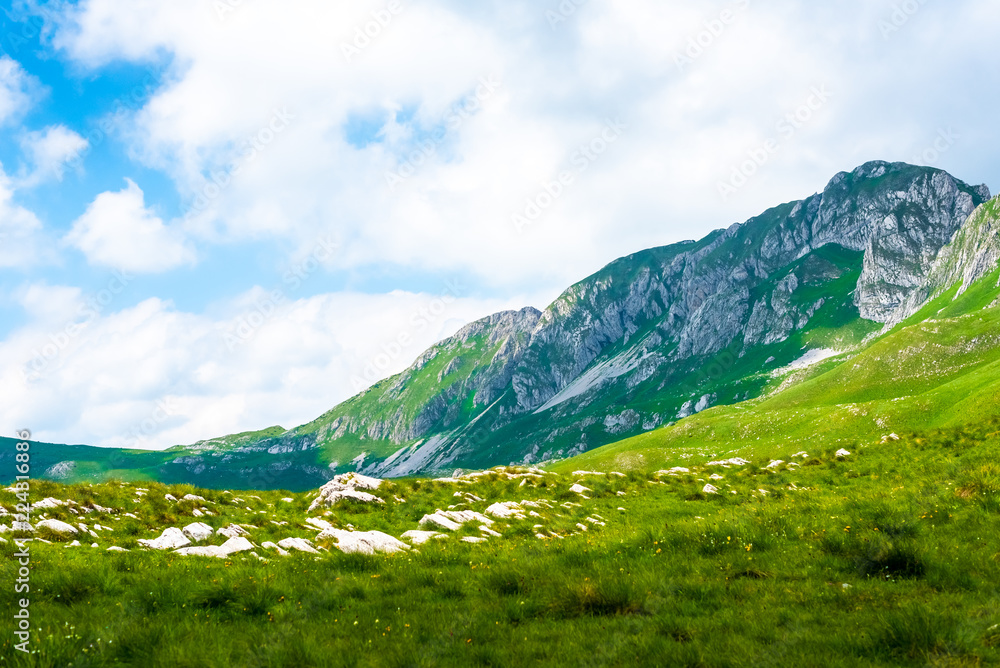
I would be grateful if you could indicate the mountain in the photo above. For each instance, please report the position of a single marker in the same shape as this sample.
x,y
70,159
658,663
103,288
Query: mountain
x,y
653,338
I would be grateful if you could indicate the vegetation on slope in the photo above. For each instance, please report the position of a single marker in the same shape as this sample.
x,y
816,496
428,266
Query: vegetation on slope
x,y
888,556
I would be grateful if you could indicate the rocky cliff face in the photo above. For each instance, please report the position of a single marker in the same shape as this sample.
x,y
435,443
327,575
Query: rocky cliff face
x,y
665,332
972,254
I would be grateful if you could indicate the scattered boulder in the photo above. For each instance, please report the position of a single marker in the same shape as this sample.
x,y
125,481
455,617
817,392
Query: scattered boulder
x,y
347,486
453,519
473,539
271,546
58,527
169,497
578,489
842,453
193,497
115,548
231,546
300,544
317,523
288,500
171,538
710,489
726,463
418,537
48,503
506,510
774,464
198,531
365,542
232,531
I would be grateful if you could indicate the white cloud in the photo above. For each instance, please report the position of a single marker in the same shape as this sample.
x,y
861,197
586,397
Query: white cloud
x,y
100,380
22,240
688,127
18,89
50,151
118,231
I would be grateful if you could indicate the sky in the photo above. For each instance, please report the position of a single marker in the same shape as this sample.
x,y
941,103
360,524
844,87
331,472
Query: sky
x,y
221,215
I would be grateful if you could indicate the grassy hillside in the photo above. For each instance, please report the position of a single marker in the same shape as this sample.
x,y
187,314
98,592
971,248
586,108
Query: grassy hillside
x,y
888,556
939,368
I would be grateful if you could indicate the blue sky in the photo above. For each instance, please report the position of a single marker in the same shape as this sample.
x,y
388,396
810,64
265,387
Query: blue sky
x,y
176,173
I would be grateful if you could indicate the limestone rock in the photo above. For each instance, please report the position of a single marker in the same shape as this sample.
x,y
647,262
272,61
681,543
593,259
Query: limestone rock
x,y
171,538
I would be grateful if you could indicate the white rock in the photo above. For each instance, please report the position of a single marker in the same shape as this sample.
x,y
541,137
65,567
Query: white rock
x,y
801,455
288,500
578,489
334,491
489,532
93,544
735,461
577,474
58,527
115,548
193,497
365,542
318,523
473,539
710,489
715,476
506,510
774,464
75,543
453,519
197,513
843,453
232,531
231,546
171,539
198,531
418,537
271,546
48,503
169,497
300,544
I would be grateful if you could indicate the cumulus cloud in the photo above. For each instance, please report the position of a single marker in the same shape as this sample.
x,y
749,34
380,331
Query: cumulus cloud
x,y
49,151
22,240
18,89
701,89
152,376
118,231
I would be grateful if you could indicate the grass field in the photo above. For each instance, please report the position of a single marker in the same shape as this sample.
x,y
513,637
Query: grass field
x,y
888,556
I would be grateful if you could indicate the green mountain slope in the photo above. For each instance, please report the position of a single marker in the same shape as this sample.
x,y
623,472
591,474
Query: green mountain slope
x,y
669,334
939,368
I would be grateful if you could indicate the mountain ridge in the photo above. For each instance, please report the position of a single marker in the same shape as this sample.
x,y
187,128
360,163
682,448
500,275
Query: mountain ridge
x,y
652,337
